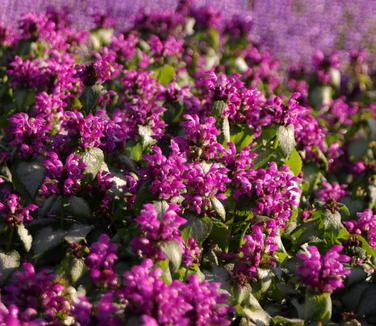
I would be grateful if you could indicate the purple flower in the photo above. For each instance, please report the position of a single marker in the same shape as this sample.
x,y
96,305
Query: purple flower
x,y
81,310
191,303
11,209
101,262
203,135
36,294
330,191
204,181
166,173
157,227
365,224
258,248
323,273
275,191
27,133
62,178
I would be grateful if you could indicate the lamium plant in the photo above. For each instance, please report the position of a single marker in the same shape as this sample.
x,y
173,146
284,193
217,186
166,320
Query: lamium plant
x,y
177,173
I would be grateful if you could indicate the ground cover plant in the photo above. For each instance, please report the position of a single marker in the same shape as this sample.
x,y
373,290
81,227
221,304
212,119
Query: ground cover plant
x,y
177,174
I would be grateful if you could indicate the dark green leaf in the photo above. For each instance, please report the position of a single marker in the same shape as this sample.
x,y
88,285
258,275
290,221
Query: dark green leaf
x,y
221,235
28,176
77,233
88,99
358,149
78,207
367,304
46,239
198,228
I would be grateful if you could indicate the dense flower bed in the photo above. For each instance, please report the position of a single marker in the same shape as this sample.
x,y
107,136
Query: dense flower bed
x,y
173,174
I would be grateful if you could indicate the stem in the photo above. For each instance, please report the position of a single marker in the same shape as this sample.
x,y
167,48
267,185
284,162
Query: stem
x,y
10,238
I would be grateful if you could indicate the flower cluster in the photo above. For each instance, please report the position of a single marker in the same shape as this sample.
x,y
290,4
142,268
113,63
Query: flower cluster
x,y
12,210
156,303
62,178
101,261
323,273
364,224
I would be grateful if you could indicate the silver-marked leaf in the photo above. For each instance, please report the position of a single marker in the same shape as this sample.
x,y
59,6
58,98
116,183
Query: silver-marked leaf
x,y
8,263
146,134
29,175
286,138
218,207
226,130
77,269
25,237
173,252
93,158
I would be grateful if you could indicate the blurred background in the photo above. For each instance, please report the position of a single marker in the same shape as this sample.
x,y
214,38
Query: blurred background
x,y
291,29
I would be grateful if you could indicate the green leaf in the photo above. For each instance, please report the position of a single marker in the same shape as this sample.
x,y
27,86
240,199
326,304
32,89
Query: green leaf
x,y
295,162
8,263
77,269
241,136
78,207
218,207
134,150
77,232
28,177
47,239
174,252
93,158
164,265
165,74
317,307
365,245
221,235
25,237
286,138
283,321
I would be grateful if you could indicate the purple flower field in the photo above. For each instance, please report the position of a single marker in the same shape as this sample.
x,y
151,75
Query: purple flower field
x,y
188,164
